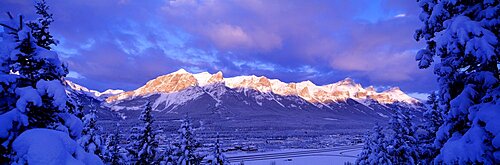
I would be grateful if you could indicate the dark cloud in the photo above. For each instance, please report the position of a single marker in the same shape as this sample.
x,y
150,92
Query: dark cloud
x,y
125,43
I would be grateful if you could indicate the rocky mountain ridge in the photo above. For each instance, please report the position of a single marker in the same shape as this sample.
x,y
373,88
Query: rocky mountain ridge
x,y
335,92
255,103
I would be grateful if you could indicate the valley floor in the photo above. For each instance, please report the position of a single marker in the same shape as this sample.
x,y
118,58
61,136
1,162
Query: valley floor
x,y
328,156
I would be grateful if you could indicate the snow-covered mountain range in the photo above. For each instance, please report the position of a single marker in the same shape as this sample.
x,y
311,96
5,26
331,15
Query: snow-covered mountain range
x,y
93,93
174,83
249,104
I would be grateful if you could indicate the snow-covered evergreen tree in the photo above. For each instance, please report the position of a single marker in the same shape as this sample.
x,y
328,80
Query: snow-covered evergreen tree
x,y
144,145
33,99
401,143
364,156
217,157
168,156
40,28
114,153
76,106
186,149
375,148
464,37
10,117
91,139
432,121
432,102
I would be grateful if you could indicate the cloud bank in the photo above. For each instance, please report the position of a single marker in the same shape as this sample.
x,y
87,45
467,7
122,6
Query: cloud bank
x,y
124,43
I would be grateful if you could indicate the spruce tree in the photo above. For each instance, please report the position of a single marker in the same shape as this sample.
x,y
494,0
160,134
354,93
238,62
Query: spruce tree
x,y
91,139
364,156
76,105
464,37
401,142
186,149
432,102
32,91
113,152
375,148
217,157
168,156
40,28
432,121
8,83
144,145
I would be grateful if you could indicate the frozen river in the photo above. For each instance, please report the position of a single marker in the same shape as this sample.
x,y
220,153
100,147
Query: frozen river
x,y
329,156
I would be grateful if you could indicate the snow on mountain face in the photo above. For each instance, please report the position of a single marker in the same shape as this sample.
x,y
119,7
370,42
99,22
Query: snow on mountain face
x,y
339,91
261,84
109,92
82,89
174,82
396,95
93,93
170,83
202,78
78,87
205,78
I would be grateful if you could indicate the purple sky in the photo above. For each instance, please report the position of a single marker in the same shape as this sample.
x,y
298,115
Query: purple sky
x,y
122,44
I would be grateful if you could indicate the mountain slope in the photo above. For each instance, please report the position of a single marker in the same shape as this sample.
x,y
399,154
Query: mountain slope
x,y
336,92
251,109
92,93
173,93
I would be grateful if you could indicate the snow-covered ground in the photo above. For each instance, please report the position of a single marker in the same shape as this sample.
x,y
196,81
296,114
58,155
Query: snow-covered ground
x,y
330,156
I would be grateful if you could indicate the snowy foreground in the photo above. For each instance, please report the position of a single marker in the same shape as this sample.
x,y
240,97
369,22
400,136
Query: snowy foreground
x,y
330,156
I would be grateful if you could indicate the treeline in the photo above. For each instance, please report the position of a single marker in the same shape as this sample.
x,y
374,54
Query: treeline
x,y
402,141
142,146
462,124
